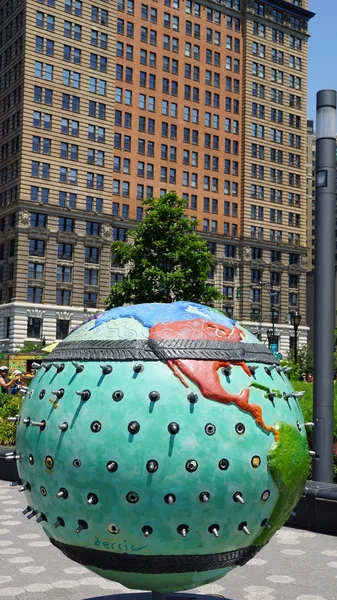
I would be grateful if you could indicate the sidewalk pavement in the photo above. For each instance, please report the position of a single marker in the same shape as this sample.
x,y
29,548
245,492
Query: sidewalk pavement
x,y
296,565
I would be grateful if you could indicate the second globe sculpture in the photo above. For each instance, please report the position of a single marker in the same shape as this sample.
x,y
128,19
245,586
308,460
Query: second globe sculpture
x,y
161,445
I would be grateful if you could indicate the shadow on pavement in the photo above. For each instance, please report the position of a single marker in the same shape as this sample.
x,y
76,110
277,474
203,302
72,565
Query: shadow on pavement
x,y
147,596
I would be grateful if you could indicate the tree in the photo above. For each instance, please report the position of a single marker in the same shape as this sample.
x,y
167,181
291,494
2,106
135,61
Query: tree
x,y
169,260
28,347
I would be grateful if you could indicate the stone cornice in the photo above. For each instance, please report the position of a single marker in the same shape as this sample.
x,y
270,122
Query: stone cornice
x,y
67,237
39,233
298,11
290,11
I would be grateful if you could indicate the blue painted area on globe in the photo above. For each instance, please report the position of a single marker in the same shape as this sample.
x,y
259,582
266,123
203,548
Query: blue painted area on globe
x,y
150,314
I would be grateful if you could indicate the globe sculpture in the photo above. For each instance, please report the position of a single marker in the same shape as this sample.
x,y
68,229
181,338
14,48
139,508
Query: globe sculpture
x,y
161,445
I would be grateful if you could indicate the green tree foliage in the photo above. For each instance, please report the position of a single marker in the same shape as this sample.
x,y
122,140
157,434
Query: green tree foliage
x,y
169,260
28,347
9,407
305,362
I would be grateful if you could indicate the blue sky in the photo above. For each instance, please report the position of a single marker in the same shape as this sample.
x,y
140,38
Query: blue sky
x,y
322,50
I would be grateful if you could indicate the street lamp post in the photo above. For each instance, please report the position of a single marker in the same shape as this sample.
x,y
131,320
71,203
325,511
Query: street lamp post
x,y
85,311
295,320
324,288
270,337
272,309
269,287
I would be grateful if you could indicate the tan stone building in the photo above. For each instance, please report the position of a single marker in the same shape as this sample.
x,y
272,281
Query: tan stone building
x,y
106,103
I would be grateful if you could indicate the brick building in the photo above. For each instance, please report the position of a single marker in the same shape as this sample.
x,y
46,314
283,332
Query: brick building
x,y
104,104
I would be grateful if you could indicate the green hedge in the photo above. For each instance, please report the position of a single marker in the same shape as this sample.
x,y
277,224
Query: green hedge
x,y
9,407
307,405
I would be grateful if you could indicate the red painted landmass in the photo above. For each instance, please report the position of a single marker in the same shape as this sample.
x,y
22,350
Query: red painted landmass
x,y
204,373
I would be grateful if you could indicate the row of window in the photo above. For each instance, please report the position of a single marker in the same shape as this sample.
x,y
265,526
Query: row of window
x,y
11,123
275,216
170,153
276,175
276,116
47,21
71,78
277,35
68,224
65,251
9,195
69,151
294,160
37,248
67,175
11,99
256,296
69,199
277,56
229,229
65,223
191,7
280,16
36,271
171,87
170,175
69,102
278,96
9,172
10,148
190,136
63,297
70,53
257,191
276,135
258,233
11,52
258,254
276,76
68,126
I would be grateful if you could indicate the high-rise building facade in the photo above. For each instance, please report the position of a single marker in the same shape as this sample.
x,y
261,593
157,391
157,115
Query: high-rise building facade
x,y
104,104
57,112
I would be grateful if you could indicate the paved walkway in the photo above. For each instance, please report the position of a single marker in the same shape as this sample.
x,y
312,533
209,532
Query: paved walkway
x,y
296,565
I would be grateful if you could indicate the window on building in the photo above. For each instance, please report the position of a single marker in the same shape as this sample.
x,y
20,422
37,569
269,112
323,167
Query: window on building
x,y
34,328
90,299
62,328
63,297
65,251
35,295
35,271
36,247
63,274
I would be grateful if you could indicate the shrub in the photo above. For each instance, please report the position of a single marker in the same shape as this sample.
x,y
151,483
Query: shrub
x,y
9,407
307,405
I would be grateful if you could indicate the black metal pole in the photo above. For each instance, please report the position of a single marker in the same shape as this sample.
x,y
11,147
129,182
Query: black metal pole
x,y
324,287
272,312
295,344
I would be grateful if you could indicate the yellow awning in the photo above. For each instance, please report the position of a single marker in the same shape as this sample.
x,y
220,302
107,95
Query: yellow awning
x,y
51,346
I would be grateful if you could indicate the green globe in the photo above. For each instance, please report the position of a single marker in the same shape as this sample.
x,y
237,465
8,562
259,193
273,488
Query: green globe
x,y
161,445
